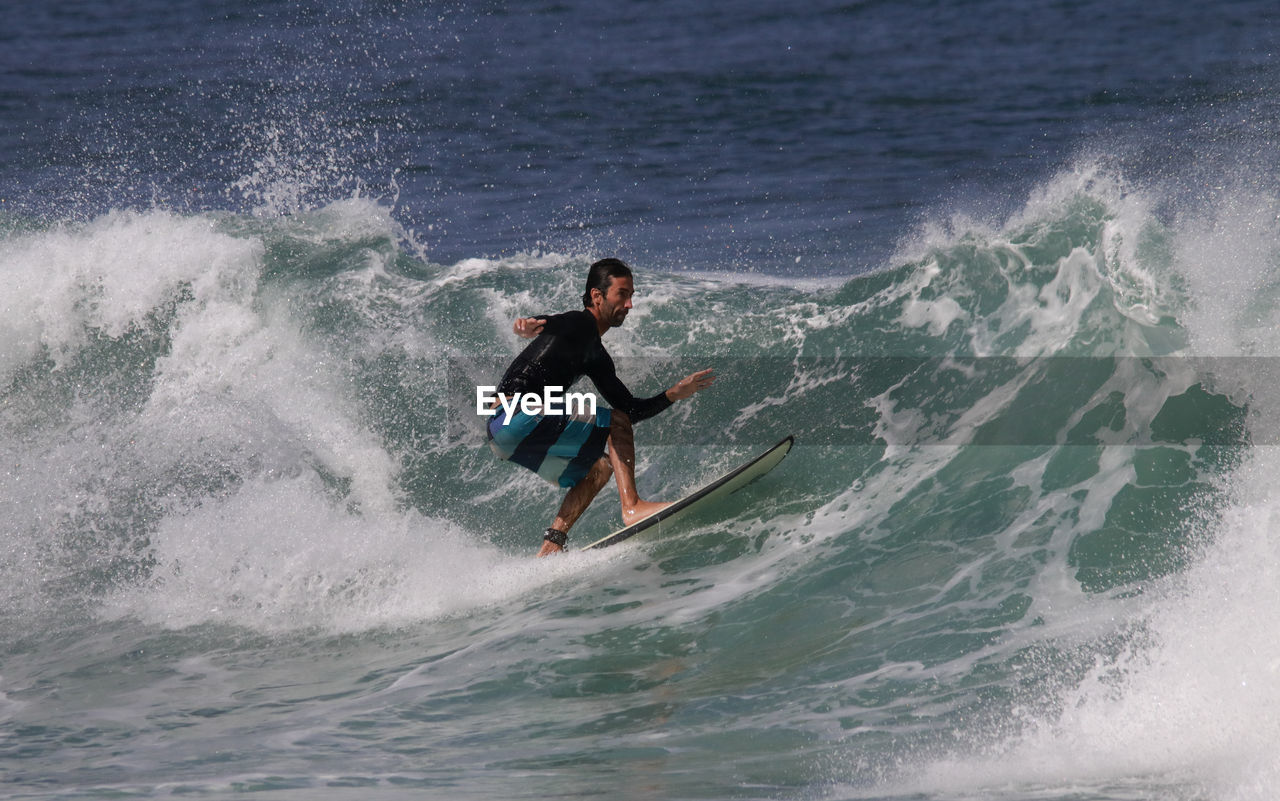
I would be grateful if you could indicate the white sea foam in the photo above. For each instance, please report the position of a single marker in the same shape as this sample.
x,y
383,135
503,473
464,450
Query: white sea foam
x,y
1193,700
263,498
58,285
282,555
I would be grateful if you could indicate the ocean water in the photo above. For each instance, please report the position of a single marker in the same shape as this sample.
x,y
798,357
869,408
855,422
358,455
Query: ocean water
x,y
1009,272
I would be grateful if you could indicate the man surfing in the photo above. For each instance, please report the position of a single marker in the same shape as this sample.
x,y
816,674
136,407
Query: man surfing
x,y
579,450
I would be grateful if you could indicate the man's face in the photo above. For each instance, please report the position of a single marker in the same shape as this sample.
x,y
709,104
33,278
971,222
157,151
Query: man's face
x,y
615,301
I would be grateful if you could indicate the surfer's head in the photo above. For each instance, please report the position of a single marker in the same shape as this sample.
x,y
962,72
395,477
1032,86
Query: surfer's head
x,y
601,275
609,290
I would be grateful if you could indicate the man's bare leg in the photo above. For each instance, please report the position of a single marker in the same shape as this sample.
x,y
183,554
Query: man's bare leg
x,y
577,500
622,455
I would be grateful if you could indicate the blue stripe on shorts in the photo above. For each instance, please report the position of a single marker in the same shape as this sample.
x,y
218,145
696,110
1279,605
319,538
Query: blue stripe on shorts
x,y
559,448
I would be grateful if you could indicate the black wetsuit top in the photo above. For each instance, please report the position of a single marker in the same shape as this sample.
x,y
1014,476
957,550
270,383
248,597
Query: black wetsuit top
x,y
568,348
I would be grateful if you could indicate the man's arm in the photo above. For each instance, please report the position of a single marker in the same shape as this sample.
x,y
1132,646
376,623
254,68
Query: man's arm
x,y
618,396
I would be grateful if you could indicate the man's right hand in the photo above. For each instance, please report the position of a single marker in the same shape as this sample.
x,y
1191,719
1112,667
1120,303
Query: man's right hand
x,y
528,327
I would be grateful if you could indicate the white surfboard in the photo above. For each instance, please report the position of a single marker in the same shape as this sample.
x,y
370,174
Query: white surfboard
x,y
709,493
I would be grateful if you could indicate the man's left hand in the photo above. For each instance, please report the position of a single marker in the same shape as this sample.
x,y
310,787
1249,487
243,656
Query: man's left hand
x,y
694,382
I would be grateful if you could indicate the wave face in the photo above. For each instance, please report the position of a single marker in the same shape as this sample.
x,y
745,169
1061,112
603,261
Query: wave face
x,y
1023,541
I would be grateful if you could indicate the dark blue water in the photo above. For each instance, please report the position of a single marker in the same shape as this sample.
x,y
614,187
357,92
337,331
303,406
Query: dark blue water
x,y
731,136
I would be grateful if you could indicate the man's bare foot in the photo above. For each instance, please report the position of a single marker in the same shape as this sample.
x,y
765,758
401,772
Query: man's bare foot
x,y
641,510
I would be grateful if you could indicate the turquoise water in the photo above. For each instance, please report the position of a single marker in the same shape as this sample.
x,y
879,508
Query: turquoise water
x,y
255,542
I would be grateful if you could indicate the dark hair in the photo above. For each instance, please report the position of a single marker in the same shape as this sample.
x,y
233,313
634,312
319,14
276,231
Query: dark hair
x,y
601,276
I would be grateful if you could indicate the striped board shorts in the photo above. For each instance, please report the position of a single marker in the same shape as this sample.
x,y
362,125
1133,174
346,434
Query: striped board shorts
x,y
560,448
